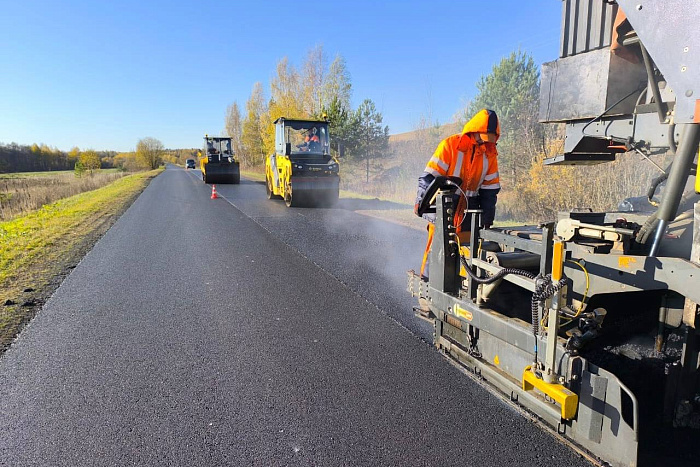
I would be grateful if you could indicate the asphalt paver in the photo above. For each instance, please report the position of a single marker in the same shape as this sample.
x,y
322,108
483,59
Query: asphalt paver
x,y
207,332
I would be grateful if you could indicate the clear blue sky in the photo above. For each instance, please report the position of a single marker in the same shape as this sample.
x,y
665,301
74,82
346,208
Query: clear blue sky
x,y
104,74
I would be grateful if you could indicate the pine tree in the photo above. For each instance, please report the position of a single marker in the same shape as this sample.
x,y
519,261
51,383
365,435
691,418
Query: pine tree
x,y
368,139
512,91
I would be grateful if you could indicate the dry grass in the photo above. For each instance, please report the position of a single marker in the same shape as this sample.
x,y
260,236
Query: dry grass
x,y
388,183
446,129
394,177
540,193
26,192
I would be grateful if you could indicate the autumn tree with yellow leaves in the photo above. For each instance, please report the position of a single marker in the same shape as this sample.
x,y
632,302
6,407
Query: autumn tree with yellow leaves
x,y
315,90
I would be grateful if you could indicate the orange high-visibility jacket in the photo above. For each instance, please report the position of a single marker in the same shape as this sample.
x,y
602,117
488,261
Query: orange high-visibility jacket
x,y
461,156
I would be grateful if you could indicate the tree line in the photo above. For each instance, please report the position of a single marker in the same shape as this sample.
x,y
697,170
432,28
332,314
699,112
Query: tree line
x,y
35,158
149,154
315,91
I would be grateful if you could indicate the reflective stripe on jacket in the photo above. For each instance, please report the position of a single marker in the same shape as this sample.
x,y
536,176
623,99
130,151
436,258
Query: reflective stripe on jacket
x,y
462,156
475,164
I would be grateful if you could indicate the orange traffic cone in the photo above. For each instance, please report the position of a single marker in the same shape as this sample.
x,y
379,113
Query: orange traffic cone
x,y
213,192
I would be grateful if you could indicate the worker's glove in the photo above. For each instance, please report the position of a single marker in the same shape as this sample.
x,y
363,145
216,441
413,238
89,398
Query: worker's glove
x,y
415,209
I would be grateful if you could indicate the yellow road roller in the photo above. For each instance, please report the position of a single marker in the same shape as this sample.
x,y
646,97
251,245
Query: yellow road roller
x,y
218,163
302,171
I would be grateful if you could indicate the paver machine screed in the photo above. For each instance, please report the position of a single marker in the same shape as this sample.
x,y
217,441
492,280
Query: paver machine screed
x,y
218,163
302,170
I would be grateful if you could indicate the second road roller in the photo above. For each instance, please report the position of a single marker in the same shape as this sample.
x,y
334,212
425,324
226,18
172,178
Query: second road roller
x,y
218,163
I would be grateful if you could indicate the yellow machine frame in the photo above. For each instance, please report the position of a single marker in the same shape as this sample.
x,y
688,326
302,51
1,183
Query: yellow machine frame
x,y
301,178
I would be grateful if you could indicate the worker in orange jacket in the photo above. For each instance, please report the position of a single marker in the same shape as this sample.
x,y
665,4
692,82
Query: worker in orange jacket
x,y
471,156
311,142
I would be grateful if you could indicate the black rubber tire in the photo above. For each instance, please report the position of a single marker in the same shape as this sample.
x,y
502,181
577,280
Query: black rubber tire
x,y
290,200
268,189
236,179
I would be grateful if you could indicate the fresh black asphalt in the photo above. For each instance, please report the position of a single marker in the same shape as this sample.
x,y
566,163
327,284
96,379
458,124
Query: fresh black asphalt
x,y
239,332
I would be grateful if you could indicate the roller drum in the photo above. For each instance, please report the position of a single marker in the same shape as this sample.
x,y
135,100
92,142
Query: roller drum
x,y
315,190
222,173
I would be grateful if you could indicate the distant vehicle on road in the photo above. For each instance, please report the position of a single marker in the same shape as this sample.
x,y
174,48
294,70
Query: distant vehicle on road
x,y
189,164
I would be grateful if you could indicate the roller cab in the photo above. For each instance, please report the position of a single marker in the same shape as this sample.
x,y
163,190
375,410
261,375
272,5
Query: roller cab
x,y
302,171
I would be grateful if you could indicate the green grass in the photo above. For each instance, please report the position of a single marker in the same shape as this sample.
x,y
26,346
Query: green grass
x,y
257,176
49,173
38,247
353,195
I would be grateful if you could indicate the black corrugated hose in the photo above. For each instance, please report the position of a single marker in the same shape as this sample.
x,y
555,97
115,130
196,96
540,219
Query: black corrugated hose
x,y
503,272
544,289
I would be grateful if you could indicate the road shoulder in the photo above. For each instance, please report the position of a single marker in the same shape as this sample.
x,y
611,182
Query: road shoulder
x,y
41,249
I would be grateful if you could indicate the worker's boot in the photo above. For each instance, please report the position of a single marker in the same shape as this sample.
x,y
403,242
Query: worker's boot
x,y
423,311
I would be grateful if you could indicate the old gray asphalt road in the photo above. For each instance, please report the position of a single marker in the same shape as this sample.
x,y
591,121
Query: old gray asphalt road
x,y
191,335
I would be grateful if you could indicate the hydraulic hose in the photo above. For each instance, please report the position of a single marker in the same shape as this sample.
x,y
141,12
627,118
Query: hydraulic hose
x,y
503,272
645,231
656,182
544,288
660,107
652,221
662,178
672,139
683,162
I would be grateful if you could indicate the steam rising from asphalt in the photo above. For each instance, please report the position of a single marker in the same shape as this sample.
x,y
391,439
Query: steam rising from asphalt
x,y
379,247
368,254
